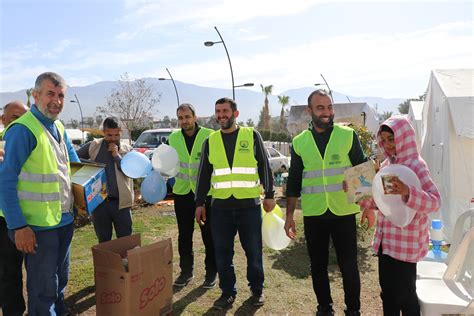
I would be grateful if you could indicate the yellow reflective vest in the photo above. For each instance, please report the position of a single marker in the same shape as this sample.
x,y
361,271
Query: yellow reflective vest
x,y
186,178
42,187
242,180
322,178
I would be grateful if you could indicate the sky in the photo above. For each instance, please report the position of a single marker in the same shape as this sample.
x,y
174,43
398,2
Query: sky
x,y
363,48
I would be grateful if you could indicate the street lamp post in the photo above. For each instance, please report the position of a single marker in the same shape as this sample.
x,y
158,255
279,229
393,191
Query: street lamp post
x,y
82,117
174,84
209,44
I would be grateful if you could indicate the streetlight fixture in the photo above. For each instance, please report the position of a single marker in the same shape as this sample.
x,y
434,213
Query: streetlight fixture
x,y
82,117
325,84
174,84
209,44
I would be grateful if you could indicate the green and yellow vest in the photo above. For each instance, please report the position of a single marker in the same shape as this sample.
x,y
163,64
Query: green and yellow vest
x,y
44,188
322,178
186,178
242,180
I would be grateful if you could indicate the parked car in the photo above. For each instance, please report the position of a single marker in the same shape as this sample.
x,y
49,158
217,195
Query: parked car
x,y
150,139
278,162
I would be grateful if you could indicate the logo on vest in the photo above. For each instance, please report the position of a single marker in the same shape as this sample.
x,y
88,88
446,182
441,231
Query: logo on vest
x,y
244,146
336,159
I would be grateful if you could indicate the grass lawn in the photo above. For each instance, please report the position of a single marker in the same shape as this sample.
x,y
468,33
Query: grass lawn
x,y
288,286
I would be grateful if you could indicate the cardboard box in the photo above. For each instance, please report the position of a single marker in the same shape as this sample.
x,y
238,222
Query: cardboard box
x,y
145,288
89,185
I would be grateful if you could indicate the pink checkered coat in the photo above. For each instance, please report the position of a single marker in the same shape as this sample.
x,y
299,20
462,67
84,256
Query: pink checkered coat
x,y
410,243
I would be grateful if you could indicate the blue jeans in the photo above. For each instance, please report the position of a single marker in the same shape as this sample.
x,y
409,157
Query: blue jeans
x,y
225,224
48,271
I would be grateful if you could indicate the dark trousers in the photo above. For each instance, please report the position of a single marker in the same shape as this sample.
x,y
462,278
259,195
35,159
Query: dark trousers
x,y
225,224
11,283
48,271
342,231
108,215
185,209
398,283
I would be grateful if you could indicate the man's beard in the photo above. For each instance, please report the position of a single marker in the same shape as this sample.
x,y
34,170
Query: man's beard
x,y
322,125
229,122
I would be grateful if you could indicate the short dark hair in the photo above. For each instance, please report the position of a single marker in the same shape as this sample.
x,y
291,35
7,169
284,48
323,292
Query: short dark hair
x,y
385,128
110,122
56,79
320,92
186,106
232,103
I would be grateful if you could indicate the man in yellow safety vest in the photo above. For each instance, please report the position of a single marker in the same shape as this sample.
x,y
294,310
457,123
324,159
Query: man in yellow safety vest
x,y
234,163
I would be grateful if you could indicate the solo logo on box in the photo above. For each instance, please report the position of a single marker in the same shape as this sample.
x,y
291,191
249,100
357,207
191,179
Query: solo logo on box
x,y
110,298
149,293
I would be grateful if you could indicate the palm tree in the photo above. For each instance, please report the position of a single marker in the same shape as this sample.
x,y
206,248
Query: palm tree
x,y
266,109
283,100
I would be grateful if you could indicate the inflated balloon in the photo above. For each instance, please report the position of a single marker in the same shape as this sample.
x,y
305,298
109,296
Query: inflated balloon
x,y
135,165
165,159
276,210
392,205
153,188
273,232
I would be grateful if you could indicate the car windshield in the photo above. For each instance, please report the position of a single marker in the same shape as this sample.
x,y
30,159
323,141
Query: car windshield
x,y
150,140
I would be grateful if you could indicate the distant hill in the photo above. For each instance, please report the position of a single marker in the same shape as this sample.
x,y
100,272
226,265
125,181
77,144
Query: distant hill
x,y
203,98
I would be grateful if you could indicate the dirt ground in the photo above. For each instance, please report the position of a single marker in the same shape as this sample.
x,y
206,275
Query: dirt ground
x,y
288,287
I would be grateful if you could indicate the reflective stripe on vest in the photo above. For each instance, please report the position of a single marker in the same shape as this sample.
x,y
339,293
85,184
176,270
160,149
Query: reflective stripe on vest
x,y
322,178
188,163
43,189
242,180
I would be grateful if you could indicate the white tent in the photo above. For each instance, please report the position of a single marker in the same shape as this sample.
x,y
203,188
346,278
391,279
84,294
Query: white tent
x,y
415,116
448,140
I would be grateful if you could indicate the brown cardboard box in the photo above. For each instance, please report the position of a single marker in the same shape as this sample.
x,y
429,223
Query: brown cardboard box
x,y
145,289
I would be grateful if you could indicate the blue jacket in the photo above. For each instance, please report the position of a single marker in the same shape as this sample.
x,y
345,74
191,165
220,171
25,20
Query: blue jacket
x,y
20,142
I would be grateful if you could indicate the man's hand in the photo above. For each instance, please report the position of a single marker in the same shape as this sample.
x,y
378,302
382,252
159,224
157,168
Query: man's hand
x,y
290,227
344,185
114,149
25,240
269,205
368,215
201,215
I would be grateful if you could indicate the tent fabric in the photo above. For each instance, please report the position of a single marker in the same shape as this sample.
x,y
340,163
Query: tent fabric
x,y
448,141
415,116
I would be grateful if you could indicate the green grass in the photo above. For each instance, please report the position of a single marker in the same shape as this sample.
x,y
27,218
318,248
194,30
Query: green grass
x,y
288,286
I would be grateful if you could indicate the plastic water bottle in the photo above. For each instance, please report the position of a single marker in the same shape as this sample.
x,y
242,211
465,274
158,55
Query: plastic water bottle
x,y
436,235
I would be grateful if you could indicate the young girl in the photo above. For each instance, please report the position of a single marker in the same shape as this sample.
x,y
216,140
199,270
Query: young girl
x,y
399,249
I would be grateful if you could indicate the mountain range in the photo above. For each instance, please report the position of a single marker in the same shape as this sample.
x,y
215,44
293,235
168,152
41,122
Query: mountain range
x,y
249,102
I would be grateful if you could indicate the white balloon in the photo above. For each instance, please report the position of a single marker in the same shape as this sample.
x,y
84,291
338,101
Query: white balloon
x,y
392,205
273,232
165,160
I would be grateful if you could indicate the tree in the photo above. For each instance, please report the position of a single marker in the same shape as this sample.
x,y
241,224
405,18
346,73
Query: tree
x,y
250,123
74,123
98,120
89,122
386,115
366,138
265,113
404,107
283,100
133,102
28,96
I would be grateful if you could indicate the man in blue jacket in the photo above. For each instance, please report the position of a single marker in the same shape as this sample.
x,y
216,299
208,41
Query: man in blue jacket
x,y
36,195
11,278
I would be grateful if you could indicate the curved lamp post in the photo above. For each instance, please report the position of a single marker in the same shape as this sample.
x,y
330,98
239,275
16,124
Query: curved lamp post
x,y
82,117
209,44
174,84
